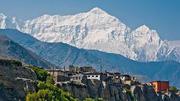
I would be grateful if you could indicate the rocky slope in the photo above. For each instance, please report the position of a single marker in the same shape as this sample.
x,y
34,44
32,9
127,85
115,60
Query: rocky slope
x,y
11,50
64,55
15,80
112,91
97,30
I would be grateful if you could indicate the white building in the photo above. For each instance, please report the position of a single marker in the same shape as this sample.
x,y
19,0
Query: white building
x,y
94,76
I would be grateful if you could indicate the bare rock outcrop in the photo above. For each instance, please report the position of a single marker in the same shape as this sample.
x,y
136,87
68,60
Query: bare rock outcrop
x,y
15,80
111,91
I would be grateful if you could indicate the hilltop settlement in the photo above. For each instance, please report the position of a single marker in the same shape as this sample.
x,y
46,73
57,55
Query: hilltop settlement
x,y
19,82
86,82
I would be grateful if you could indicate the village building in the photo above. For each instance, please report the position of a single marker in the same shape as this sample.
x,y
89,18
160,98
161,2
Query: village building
x,y
109,74
125,77
63,76
160,86
82,69
76,77
56,73
178,93
99,76
74,69
87,70
93,76
116,75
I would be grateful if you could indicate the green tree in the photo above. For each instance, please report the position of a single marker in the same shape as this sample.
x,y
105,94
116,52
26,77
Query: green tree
x,y
41,73
49,92
50,80
173,89
41,95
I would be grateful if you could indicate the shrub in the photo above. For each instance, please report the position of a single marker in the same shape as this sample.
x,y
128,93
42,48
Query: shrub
x,y
173,89
41,95
49,92
41,73
16,63
50,80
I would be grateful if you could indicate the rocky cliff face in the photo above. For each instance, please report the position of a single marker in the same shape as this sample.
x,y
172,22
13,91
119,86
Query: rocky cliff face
x,y
111,91
15,81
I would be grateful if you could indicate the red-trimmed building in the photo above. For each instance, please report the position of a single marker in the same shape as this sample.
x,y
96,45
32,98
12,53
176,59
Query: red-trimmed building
x,y
160,85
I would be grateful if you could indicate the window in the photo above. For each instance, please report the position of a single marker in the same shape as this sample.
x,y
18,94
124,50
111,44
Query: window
x,y
96,75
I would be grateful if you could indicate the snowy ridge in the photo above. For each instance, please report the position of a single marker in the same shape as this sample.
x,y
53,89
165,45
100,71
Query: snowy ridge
x,y
2,21
95,30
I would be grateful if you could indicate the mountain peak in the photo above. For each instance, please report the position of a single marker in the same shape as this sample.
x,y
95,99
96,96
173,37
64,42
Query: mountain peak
x,y
143,29
45,16
97,10
2,15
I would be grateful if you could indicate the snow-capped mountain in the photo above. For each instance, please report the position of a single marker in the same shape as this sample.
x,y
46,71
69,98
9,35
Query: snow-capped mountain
x,y
145,43
97,30
170,50
91,30
8,22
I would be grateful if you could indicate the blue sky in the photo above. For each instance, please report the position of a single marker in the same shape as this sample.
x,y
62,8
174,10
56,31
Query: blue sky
x,y
161,15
